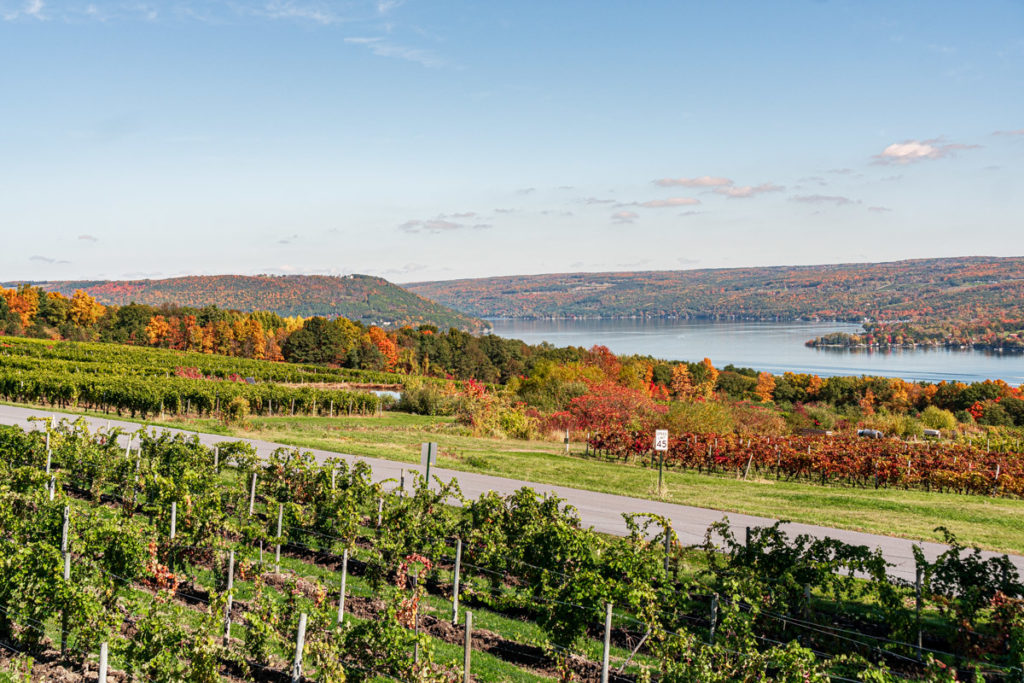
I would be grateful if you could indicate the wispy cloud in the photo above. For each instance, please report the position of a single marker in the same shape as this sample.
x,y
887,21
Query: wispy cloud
x,y
669,203
439,225
1019,131
624,216
47,259
287,9
879,209
702,181
526,190
88,238
911,151
32,9
383,47
288,240
746,191
591,201
835,200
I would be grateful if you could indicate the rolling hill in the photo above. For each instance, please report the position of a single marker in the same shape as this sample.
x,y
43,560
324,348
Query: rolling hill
x,y
970,288
359,297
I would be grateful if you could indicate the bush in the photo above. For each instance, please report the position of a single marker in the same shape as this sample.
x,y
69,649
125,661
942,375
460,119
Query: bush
x,y
964,417
894,424
427,398
937,418
822,417
236,412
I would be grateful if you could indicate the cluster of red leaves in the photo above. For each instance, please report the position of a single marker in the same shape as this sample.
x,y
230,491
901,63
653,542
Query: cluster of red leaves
x,y
407,610
160,576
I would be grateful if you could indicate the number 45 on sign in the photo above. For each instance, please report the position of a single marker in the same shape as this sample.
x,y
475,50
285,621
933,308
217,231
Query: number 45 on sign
x,y
660,445
661,440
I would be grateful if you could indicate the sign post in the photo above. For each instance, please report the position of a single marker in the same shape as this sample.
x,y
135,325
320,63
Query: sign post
x,y
428,457
660,446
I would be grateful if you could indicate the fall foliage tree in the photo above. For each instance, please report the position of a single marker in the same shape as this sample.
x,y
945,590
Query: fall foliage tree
x,y
384,344
85,311
158,331
682,384
765,387
706,388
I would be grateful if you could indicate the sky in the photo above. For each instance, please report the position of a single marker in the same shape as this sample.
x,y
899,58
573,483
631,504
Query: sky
x,y
435,140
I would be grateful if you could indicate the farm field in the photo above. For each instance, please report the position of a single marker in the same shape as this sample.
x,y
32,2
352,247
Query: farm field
x,y
182,568
989,523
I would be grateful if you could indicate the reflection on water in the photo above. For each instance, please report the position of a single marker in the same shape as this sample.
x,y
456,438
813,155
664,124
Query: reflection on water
x,y
774,346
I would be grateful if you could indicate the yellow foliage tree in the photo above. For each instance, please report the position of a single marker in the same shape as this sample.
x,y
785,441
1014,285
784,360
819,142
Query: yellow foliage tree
x,y
682,384
765,387
158,331
85,310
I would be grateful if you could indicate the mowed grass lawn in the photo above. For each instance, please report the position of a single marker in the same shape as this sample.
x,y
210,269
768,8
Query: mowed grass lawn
x,y
991,523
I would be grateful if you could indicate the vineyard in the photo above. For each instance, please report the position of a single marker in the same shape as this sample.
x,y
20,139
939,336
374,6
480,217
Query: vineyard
x,y
149,382
954,467
165,560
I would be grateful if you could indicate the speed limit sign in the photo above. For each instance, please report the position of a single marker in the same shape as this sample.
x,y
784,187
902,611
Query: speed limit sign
x,y
661,440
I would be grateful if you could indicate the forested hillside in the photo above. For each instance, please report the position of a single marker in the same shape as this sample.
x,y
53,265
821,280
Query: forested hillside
x,y
972,289
357,297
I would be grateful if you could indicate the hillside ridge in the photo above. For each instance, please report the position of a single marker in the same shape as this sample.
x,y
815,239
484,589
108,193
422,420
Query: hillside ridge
x,y
358,297
965,288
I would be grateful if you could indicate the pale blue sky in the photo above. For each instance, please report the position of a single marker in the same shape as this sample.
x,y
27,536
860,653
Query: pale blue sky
x,y
429,140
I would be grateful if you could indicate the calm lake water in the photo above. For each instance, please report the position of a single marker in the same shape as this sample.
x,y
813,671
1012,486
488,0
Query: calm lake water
x,y
775,347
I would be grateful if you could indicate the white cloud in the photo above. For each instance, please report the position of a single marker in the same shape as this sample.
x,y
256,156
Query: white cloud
x,y
88,238
624,216
590,201
385,6
385,48
669,203
286,9
1019,131
824,199
917,150
702,181
879,209
439,225
745,191
31,8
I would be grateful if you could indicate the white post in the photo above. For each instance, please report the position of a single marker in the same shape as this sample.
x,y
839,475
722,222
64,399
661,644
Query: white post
x,y
469,648
341,596
103,664
334,478
227,607
53,486
216,458
455,581
607,642
252,494
380,512
174,518
49,458
299,642
67,576
277,554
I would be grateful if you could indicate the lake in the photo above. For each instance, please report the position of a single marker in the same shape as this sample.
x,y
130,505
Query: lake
x,y
772,346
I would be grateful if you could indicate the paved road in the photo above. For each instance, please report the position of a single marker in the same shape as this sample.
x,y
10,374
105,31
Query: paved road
x,y
602,511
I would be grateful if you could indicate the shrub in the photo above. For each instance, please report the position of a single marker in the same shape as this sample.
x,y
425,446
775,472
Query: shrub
x,y
236,411
937,418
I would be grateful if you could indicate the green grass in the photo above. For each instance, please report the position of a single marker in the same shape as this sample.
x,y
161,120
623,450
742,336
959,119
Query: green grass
x,y
991,523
